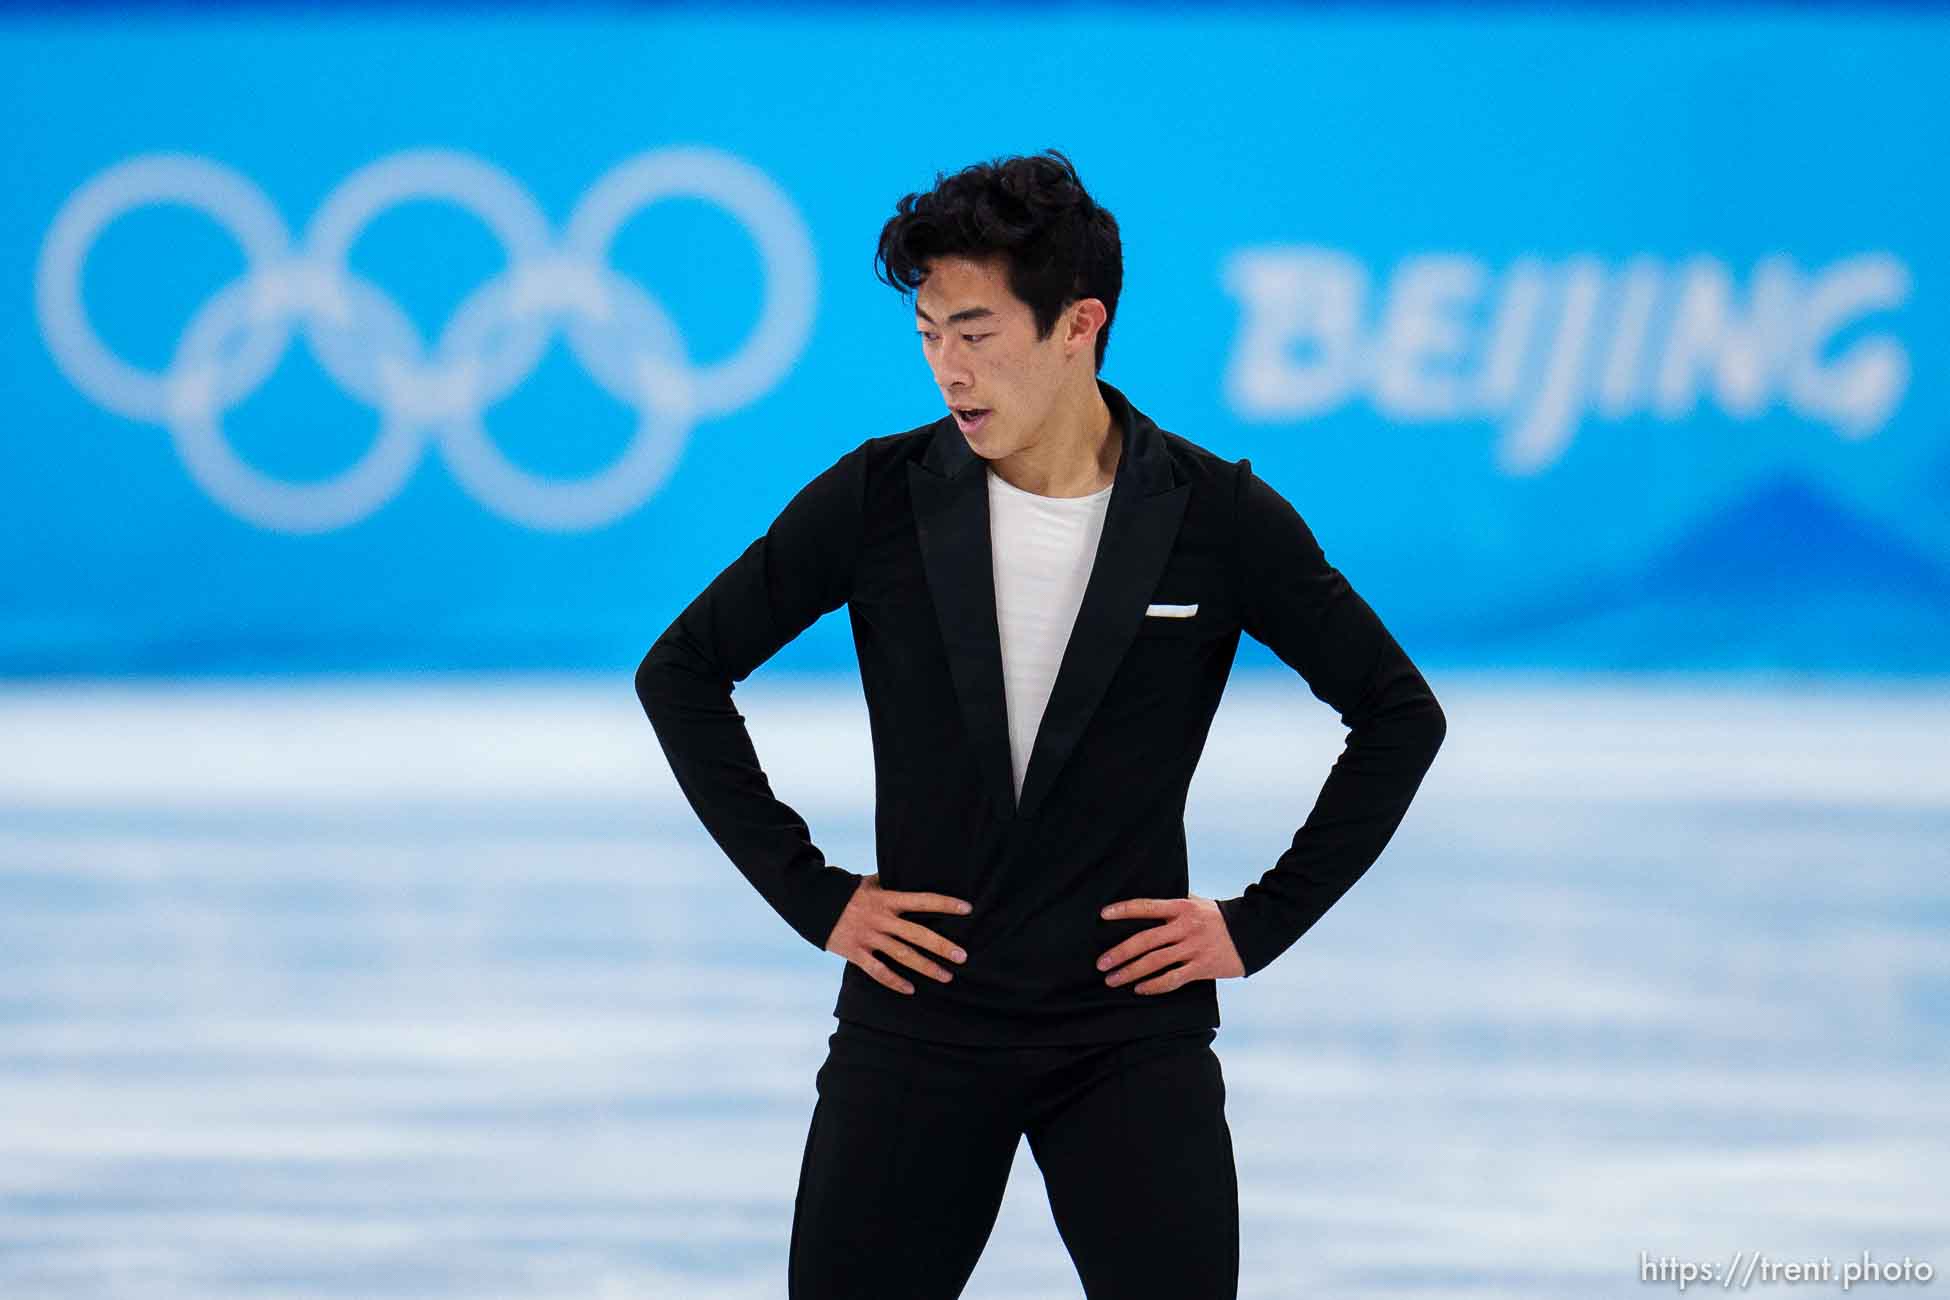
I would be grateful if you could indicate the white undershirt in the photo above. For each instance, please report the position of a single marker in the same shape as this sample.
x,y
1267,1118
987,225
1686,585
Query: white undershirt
x,y
1043,549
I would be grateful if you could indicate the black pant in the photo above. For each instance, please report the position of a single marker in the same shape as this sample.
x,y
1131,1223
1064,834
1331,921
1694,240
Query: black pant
x,y
911,1143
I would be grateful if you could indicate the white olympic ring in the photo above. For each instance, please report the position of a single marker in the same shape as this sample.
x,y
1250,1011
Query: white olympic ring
x,y
492,342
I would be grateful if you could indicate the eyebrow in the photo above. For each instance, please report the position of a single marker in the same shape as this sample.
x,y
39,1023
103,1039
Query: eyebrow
x,y
973,313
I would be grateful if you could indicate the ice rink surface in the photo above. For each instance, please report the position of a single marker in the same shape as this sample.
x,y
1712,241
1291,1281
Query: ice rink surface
x,y
435,988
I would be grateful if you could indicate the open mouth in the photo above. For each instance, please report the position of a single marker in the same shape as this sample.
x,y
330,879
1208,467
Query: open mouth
x,y
971,418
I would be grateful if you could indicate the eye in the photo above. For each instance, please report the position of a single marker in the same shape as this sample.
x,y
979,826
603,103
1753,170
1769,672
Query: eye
x,y
974,338
924,334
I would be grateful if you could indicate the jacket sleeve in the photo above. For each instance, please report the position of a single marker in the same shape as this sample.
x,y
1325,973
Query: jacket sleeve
x,y
800,569
1301,607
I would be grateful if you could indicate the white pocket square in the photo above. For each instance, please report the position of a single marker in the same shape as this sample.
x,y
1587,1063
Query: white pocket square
x,y
1170,611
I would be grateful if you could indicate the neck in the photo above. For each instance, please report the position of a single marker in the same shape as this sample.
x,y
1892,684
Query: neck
x,y
1076,452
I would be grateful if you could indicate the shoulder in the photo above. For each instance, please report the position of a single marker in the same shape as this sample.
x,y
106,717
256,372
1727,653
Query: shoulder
x,y
1206,470
1234,508
1219,484
880,467
1218,477
856,472
887,454
891,452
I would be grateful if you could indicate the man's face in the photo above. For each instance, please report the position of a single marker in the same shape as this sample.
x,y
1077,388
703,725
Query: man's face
x,y
980,342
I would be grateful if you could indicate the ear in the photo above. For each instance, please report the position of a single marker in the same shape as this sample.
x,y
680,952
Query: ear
x,y
1086,316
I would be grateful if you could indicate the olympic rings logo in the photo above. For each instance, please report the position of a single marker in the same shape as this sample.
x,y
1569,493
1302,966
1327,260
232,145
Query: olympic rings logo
x,y
490,344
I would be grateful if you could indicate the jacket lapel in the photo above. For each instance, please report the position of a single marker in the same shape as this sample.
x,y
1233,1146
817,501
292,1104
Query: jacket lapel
x,y
951,516
949,488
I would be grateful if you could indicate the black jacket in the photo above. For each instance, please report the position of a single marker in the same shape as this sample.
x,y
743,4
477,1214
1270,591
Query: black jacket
x,y
897,530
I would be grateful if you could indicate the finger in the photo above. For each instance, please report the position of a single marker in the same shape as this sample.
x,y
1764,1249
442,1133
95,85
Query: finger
x,y
1176,977
906,956
907,901
1145,965
926,938
1143,907
1138,944
874,967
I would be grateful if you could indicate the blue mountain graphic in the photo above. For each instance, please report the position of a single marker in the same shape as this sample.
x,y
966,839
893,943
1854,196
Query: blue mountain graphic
x,y
1788,538
1784,577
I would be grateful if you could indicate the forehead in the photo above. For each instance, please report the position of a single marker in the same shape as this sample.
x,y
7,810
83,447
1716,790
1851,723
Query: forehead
x,y
955,283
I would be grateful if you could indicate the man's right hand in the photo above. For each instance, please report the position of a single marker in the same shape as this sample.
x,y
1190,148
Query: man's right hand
x,y
872,922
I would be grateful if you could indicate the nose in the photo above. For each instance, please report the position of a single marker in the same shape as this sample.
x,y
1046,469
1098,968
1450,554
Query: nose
x,y
951,372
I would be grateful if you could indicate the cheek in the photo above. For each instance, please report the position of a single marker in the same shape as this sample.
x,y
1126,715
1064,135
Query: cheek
x,y
1014,373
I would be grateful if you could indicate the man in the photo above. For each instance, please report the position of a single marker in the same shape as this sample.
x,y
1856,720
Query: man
x,y
1046,592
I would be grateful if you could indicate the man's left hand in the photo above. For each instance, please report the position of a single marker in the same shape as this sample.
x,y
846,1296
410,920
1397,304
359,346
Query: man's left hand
x,y
1193,941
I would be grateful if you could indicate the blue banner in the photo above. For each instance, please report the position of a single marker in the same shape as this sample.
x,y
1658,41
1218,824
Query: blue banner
x,y
388,342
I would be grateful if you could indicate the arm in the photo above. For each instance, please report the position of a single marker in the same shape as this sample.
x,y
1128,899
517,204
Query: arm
x,y
1300,606
801,568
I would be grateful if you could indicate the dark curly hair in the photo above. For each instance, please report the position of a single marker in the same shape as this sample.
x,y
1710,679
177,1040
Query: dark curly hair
x,y
1060,244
